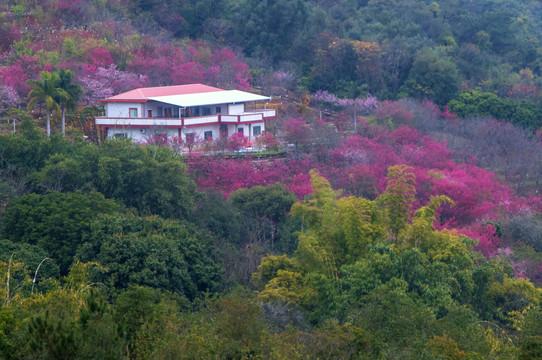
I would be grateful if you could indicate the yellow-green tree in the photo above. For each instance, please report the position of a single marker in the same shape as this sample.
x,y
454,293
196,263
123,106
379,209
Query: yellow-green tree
x,y
398,198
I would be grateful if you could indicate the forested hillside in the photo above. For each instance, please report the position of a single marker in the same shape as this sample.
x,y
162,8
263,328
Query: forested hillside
x,y
392,210
389,49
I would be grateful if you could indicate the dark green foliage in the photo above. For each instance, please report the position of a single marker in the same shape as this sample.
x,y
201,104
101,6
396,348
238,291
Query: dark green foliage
x,y
99,332
531,344
220,217
22,153
54,221
271,202
136,307
150,179
531,348
263,211
432,76
398,321
153,252
533,322
268,28
51,338
31,256
473,102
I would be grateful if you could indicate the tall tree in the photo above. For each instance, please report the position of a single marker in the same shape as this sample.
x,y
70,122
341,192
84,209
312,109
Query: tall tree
x,y
48,91
399,196
68,98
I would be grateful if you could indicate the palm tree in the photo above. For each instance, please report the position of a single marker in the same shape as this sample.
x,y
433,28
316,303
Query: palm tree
x,y
72,93
46,90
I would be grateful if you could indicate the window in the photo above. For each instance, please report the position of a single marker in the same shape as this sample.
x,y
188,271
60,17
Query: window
x,y
206,111
149,113
176,112
159,111
218,110
257,130
241,130
133,112
196,111
167,112
119,135
208,135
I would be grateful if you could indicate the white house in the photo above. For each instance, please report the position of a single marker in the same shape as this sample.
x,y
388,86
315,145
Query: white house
x,y
187,111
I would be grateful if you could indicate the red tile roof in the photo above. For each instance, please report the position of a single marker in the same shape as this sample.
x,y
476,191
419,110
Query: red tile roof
x,y
142,94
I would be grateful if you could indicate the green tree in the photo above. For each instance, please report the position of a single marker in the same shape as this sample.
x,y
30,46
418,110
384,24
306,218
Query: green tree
x,y
272,202
433,76
264,210
137,311
69,97
48,91
30,256
151,179
220,217
152,252
54,221
474,102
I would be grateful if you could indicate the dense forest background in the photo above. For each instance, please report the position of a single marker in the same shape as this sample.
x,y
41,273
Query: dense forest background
x,y
388,49
393,212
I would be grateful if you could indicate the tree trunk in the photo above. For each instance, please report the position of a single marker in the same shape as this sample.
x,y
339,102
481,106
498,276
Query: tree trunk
x,y
63,121
48,122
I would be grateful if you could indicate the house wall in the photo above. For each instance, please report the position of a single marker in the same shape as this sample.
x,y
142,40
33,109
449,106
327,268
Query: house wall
x,y
122,110
141,135
248,129
236,109
199,131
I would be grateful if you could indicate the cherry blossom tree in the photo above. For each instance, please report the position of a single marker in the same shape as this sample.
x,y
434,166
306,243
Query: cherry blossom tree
x,y
102,82
237,141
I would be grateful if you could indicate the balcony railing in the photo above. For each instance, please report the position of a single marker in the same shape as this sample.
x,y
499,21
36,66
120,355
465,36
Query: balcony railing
x,y
114,121
200,120
267,113
256,115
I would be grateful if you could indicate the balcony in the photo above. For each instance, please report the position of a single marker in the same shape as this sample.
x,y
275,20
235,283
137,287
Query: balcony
x,y
246,117
267,113
138,122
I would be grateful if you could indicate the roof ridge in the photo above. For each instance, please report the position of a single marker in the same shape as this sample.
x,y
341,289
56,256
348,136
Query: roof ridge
x,y
170,86
141,93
